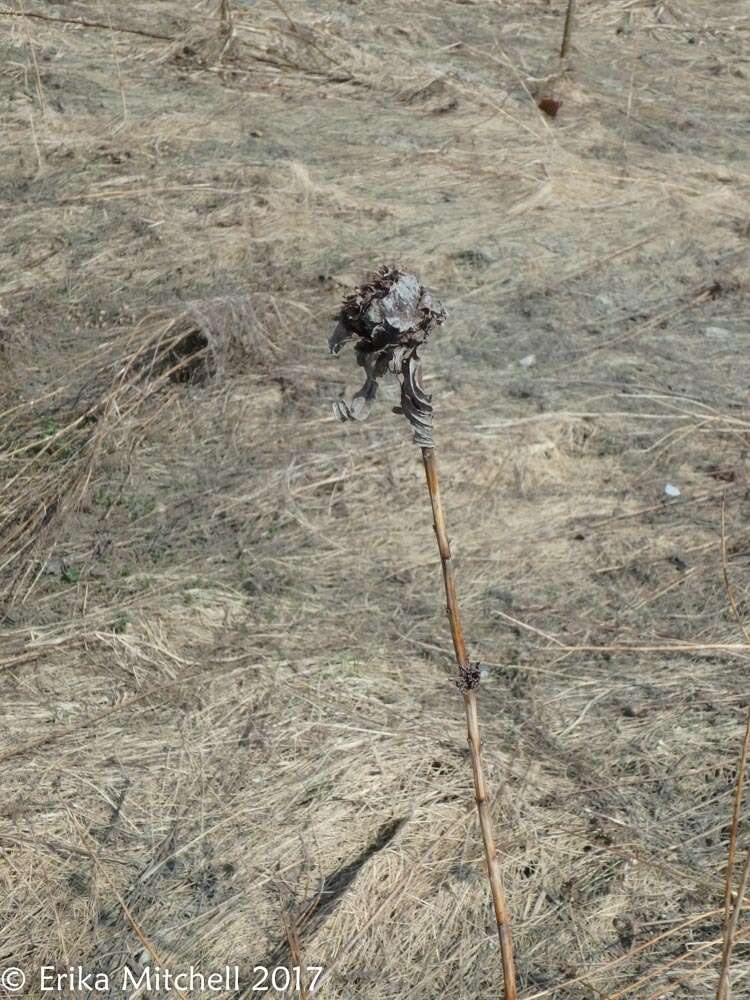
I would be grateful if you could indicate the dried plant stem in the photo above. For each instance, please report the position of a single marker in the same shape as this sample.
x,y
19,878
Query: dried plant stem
x,y
745,748
731,932
226,29
136,927
225,16
502,915
734,830
568,29
84,23
730,917
295,951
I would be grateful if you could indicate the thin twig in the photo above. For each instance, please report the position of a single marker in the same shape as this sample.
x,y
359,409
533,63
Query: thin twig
x,y
467,683
226,29
738,788
137,930
665,647
631,88
608,966
725,571
295,951
731,934
286,14
307,41
37,74
86,723
119,70
730,919
82,23
567,29
666,990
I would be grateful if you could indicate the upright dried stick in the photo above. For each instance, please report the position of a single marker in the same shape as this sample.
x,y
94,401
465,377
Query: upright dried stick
x,y
731,932
390,318
568,29
468,679
732,916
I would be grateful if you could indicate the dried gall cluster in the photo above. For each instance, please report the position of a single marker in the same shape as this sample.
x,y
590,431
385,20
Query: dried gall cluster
x,y
389,317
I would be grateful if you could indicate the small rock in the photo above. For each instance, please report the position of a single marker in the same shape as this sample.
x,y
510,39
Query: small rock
x,y
671,491
527,361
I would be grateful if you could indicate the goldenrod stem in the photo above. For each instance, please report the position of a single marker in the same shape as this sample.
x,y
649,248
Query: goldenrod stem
x,y
568,29
730,934
502,915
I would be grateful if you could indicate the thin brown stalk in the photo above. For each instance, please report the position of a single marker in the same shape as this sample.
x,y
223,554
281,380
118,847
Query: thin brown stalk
x,y
37,74
659,970
118,68
608,966
725,571
286,14
226,28
135,926
466,682
295,951
84,23
676,983
308,41
57,734
225,17
731,934
568,29
736,808
730,918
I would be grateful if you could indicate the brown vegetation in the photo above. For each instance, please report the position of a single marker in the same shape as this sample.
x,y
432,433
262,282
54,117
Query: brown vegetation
x,y
219,606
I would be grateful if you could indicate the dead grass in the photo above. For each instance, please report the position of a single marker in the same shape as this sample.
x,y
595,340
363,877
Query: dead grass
x,y
220,620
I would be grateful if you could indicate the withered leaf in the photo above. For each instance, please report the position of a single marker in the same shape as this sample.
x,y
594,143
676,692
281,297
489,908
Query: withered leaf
x,y
389,317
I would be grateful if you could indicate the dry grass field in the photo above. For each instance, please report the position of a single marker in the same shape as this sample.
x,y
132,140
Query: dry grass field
x,y
230,730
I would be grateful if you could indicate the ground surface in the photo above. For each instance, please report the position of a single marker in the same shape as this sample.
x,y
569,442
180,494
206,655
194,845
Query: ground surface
x,y
229,729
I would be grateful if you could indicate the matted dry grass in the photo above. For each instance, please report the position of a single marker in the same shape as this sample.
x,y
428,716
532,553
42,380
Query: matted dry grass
x,y
228,715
